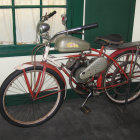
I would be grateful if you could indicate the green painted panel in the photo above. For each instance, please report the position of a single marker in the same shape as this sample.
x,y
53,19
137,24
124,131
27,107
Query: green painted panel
x,y
77,14
113,16
19,50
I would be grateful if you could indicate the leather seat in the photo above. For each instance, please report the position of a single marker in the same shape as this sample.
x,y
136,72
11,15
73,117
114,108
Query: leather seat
x,y
112,39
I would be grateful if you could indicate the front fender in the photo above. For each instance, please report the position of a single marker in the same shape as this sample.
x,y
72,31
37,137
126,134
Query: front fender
x,y
30,64
47,65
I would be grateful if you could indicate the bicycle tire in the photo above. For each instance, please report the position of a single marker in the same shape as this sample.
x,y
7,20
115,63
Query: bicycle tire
x,y
16,104
114,94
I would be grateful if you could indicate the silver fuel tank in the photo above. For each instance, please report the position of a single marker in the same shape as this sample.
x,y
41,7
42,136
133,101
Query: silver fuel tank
x,y
69,43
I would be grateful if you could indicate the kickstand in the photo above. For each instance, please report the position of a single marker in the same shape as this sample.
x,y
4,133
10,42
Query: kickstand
x,y
83,107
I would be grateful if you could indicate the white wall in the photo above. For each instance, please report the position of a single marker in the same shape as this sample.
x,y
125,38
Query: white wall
x,y
8,65
136,28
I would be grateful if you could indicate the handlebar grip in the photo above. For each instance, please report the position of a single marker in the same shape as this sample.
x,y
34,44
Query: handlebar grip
x,y
51,14
90,26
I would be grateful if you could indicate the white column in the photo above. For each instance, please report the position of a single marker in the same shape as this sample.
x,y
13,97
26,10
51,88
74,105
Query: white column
x,y
136,27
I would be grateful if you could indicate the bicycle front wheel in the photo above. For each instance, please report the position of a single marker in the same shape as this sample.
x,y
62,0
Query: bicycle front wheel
x,y
16,103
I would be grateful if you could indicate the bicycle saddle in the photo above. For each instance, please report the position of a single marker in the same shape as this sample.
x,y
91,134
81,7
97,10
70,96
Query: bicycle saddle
x,y
112,39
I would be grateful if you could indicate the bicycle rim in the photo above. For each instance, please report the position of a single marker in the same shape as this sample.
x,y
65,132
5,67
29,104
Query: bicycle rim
x,y
19,105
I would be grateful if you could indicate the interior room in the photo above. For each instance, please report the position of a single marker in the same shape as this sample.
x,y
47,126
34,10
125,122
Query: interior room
x,y
70,69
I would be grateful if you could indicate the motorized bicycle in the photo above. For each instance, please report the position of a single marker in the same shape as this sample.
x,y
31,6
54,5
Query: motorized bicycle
x,y
35,91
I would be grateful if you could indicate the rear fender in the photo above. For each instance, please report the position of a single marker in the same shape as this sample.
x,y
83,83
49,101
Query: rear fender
x,y
117,52
114,54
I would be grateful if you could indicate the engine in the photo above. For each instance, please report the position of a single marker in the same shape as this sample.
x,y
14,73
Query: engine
x,y
82,68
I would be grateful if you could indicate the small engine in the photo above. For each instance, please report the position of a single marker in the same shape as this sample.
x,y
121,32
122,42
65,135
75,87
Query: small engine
x,y
84,68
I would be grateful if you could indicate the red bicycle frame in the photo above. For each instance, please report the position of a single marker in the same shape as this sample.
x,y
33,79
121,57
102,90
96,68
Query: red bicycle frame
x,y
45,65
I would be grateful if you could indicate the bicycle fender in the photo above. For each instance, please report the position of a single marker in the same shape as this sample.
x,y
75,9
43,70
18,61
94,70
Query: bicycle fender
x,y
47,65
117,52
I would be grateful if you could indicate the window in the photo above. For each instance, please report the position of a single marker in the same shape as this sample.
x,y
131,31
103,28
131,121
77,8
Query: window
x,y
20,17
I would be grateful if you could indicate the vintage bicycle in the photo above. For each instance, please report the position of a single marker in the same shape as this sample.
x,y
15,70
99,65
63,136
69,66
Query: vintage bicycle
x,y
35,91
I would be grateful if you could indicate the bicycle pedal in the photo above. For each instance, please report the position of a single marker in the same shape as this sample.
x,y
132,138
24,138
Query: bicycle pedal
x,y
85,109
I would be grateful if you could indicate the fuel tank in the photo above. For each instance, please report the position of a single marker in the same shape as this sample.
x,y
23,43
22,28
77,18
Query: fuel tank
x,y
69,43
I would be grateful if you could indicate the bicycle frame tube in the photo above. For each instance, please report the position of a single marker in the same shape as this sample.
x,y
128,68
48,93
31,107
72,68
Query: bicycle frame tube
x,y
54,63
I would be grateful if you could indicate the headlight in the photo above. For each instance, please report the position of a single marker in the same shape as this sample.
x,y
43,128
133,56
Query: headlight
x,y
42,28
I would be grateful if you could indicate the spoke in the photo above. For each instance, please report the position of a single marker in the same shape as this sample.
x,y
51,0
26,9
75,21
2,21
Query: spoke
x,y
33,111
22,85
38,110
28,113
112,68
47,80
52,83
23,113
13,91
17,88
18,108
37,82
23,79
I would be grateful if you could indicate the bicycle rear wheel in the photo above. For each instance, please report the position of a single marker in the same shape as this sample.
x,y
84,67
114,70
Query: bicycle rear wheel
x,y
114,76
17,105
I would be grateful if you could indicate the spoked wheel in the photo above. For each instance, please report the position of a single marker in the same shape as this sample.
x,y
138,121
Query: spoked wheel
x,y
17,105
114,76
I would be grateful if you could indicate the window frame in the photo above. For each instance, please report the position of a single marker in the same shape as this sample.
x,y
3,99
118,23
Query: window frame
x,y
26,49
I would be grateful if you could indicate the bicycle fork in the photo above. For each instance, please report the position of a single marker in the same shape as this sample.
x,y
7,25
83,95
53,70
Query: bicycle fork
x,y
38,83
